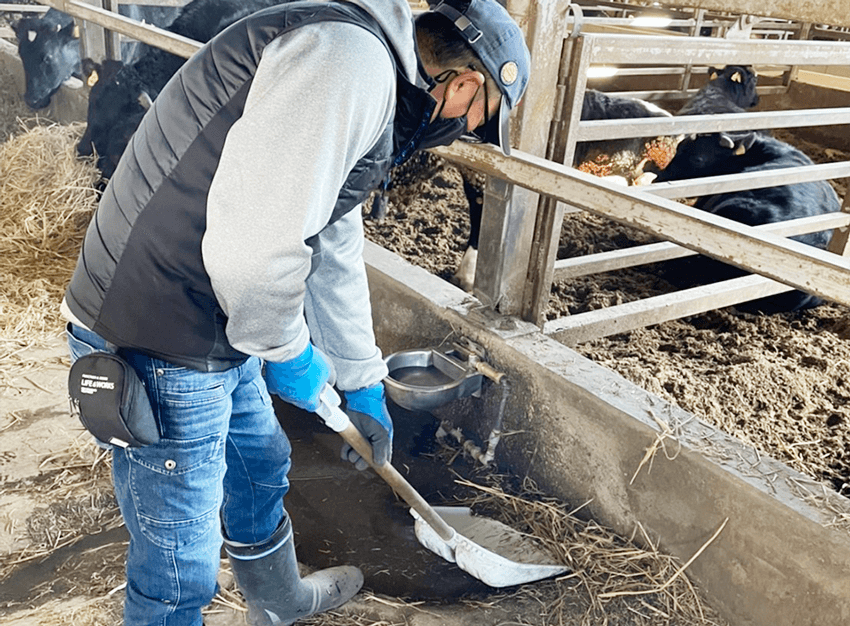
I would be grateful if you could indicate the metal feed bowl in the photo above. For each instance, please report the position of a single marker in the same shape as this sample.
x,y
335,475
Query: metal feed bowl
x,y
422,380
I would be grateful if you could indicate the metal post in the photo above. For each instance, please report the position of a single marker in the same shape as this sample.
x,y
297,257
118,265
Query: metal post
x,y
840,241
508,213
92,37
791,75
699,18
112,40
550,214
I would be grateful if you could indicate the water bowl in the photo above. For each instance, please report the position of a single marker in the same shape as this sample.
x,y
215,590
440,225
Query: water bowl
x,y
422,380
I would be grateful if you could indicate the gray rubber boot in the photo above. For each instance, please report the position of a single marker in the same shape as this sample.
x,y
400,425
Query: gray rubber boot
x,y
267,575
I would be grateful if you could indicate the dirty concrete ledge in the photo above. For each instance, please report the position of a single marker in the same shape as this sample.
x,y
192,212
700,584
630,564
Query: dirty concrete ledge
x,y
581,432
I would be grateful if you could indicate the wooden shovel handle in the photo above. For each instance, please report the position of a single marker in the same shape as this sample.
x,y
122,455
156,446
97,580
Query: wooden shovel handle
x,y
398,483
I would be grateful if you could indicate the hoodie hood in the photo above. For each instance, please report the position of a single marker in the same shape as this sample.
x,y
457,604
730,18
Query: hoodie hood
x,y
396,19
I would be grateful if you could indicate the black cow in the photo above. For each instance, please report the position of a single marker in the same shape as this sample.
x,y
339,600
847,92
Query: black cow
x,y
626,158
49,48
730,90
124,92
717,154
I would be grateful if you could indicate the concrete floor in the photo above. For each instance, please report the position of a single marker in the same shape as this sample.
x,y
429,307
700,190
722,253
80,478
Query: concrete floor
x,y
344,516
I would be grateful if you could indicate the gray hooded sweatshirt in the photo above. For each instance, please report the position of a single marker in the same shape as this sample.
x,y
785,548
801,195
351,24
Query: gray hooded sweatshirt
x,y
276,184
318,101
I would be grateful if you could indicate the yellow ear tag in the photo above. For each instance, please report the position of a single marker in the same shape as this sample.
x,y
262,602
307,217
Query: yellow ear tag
x,y
92,79
740,150
76,31
736,77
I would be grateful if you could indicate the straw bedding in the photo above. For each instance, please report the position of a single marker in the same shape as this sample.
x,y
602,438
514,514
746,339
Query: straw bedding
x,y
47,196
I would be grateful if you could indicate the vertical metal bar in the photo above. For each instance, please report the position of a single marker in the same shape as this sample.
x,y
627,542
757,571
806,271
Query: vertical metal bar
x,y
112,39
508,213
92,37
550,213
576,86
841,236
699,18
791,75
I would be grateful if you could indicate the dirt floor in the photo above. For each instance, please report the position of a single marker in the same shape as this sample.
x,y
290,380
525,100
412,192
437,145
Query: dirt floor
x,y
780,383
62,541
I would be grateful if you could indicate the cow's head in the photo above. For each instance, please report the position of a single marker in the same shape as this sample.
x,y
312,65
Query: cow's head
x,y
712,154
738,82
117,103
50,54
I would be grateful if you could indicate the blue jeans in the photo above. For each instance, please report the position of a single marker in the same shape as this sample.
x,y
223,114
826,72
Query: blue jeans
x,y
222,460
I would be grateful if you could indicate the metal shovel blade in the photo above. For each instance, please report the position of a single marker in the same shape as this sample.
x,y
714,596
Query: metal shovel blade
x,y
494,553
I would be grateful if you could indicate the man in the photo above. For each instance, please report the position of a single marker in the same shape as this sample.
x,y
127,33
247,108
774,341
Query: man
x,y
224,263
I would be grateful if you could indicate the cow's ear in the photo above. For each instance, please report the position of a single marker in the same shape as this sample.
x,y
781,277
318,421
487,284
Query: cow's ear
x,y
19,27
745,143
90,71
739,144
70,29
736,78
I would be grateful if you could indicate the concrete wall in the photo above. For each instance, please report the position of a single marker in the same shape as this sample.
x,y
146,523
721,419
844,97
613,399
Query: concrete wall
x,y
582,431
815,91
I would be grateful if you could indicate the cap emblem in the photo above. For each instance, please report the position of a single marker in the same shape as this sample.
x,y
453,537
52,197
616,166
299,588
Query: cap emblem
x,y
509,73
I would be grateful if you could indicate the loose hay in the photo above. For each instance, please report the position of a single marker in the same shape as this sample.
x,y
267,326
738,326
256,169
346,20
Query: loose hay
x,y
606,570
12,105
47,196
91,612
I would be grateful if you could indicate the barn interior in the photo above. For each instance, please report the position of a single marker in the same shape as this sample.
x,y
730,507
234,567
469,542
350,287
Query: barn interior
x,y
765,541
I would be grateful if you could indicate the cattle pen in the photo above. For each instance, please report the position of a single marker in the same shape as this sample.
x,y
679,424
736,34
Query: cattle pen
x,y
780,543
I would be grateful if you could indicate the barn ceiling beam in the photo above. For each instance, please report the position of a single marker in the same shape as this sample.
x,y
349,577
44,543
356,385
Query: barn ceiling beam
x,y
833,12
790,262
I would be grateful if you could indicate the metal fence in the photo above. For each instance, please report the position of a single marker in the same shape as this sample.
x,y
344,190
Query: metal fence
x,y
526,293
528,193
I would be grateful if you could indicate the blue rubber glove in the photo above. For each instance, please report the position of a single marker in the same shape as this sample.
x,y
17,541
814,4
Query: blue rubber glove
x,y
367,410
300,380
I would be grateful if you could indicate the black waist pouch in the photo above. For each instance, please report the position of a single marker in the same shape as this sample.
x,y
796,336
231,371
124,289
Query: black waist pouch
x,y
111,401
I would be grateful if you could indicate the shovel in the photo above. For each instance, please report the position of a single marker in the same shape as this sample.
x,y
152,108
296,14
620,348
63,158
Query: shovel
x,y
492,552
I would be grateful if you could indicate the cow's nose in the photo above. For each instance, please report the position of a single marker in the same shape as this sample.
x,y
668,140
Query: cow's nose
x,y
36,104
